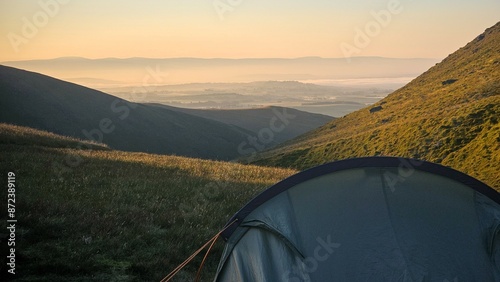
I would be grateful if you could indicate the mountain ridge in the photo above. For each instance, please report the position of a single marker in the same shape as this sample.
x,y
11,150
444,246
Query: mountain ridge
x,y
42,102
68,58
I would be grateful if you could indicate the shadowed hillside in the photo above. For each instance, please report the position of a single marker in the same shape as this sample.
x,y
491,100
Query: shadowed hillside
x,y
449,115
254,120
42,102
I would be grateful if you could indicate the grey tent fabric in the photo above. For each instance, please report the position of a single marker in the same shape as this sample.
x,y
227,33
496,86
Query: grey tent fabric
x,y
369,220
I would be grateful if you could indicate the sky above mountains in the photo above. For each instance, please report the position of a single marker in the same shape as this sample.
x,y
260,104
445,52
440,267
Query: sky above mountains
x,y
239,28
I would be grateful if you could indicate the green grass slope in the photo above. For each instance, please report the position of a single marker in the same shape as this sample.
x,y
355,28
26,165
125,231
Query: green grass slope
x,y
117,216
449,115
38,101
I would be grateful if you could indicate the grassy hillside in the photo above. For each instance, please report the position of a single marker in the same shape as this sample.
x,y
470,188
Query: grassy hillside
x,y
117,216
449,115
38,101
257,119
21,135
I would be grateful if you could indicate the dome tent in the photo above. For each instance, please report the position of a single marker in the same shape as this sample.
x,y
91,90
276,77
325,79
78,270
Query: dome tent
x,y
367,219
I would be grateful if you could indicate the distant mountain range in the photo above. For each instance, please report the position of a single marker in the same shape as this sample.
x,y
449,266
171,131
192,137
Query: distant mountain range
x,y
450,114
113,72
38,101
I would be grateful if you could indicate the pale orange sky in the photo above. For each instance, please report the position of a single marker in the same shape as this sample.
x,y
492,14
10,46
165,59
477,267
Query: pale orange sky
x,y
249,29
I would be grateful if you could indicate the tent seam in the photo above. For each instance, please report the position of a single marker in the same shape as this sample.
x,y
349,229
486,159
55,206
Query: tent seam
x,y
384,191
263,226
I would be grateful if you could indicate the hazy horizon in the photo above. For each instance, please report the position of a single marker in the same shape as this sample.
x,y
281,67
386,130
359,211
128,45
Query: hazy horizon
x,y
47,29
143,72
213,58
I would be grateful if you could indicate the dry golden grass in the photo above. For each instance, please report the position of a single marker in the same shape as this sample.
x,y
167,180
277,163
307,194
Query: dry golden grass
x,y
21,135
